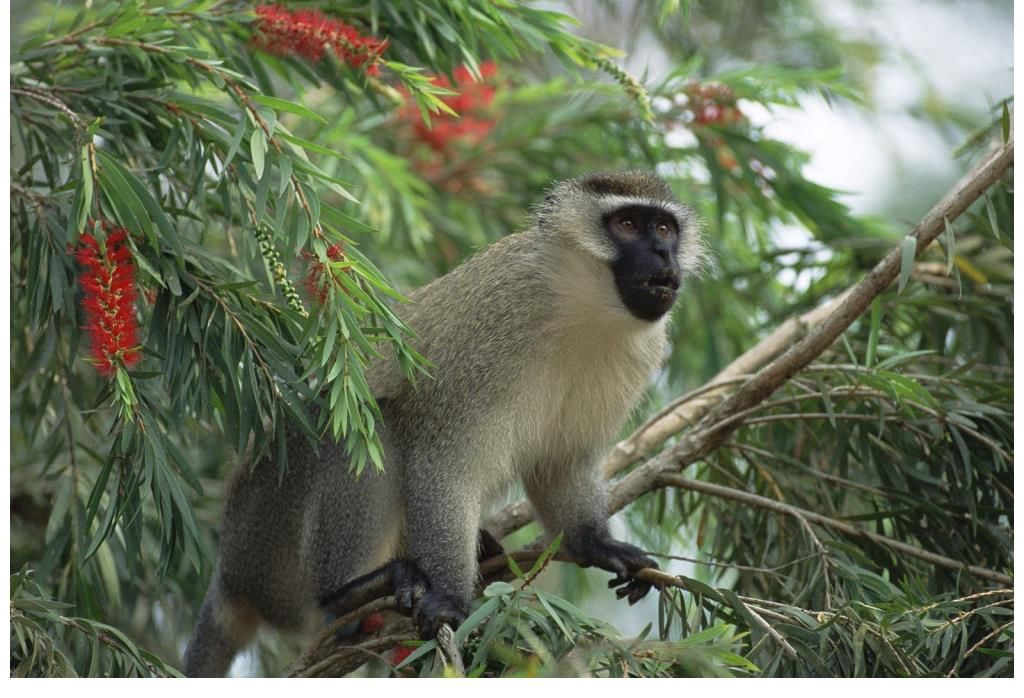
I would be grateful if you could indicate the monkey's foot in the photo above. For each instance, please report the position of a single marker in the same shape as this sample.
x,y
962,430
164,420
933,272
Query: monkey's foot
x,y
410,585
621,559
434,610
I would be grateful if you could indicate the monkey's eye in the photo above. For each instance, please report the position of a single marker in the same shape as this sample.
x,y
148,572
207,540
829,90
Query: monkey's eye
x,y
663,229
627,227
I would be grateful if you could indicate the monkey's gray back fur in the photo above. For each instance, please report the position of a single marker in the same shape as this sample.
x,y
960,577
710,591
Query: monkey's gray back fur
x,y
535,366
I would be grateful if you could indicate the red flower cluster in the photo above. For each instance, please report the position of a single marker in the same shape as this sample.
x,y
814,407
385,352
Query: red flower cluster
x,y
319,277
712,103
310,34
399,653
472,105
108,282
372,622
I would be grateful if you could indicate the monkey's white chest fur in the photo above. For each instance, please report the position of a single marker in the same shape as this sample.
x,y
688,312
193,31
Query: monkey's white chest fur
x,y
584,385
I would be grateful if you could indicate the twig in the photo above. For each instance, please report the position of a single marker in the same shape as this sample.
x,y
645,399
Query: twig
x,y
971,597
731,565
775,634
964,615
828,477
663,579
450,649
59,105
673,480
979,643
317,650
354,654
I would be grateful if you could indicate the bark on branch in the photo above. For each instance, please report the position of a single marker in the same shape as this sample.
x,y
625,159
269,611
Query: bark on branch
x,y
688,409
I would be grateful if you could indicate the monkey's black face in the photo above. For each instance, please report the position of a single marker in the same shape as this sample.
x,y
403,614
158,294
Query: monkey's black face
x,y
646,271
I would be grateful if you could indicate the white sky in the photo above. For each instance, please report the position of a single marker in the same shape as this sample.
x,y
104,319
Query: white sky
x,y
962,50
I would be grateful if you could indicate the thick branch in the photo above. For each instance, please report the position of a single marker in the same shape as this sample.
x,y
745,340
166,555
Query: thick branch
x,y
684,412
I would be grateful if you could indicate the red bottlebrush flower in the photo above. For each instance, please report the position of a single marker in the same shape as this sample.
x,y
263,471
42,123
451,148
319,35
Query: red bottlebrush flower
x,y
712,103
399,653
319,276
108,285
311,34
474,121
372,622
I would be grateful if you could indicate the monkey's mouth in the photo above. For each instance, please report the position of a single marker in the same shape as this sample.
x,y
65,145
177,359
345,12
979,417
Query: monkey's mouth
x,y
661,282
649,296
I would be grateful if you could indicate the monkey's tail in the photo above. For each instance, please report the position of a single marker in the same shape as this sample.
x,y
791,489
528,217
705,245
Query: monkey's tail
x,y
217,638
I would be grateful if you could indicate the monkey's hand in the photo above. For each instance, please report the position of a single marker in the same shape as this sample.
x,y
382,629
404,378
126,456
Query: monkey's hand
x,y
434,610
621,559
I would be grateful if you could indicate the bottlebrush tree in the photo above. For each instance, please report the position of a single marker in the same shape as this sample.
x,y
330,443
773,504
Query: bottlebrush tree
x,y
214,204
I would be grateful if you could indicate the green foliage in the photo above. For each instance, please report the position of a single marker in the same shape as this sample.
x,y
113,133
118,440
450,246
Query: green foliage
x,y
264,195
888,631
47,643
521,631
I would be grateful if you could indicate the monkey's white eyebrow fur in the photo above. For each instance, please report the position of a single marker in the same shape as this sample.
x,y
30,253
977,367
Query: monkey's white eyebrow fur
x,y
613,202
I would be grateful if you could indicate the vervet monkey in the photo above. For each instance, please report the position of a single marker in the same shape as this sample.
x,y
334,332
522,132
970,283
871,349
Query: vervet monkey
x,y
541,345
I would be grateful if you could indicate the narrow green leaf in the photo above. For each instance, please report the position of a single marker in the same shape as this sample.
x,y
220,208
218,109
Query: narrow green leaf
x,y
553,614
128,210
498,588
907,250
308,145
284,166
85,204
290,107
152,211
258,149
826,399
950,245
876,327
236,143
993,220
262,192
858,650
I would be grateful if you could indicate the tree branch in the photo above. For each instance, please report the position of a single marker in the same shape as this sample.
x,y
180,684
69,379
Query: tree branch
x,y
975,646
688,409
722,492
